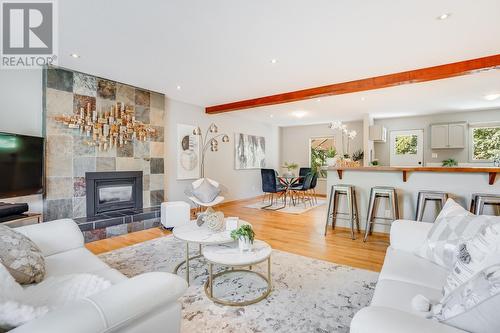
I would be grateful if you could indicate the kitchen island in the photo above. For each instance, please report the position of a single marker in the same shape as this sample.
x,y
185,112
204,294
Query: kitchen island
x,y
458,182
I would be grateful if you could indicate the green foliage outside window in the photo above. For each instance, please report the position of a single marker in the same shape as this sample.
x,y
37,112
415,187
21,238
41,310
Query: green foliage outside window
x,y
406,145
318,159
486,143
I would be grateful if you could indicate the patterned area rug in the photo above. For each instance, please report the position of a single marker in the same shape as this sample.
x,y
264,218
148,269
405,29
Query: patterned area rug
x,y
308,295
289,209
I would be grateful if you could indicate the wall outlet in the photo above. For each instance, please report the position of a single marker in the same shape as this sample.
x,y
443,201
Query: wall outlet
x,y
434,155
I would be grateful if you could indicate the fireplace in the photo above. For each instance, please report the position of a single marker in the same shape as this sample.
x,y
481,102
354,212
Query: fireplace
x,y
113,191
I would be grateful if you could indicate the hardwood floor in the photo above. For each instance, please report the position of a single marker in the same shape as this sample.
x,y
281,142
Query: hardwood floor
x,y
300,234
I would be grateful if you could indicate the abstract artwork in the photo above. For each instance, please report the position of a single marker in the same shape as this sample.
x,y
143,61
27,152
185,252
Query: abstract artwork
x,y
188,153
250,151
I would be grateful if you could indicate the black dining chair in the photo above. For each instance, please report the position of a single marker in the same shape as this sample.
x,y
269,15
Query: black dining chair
x,y
314,182
302,174
270,186
302,191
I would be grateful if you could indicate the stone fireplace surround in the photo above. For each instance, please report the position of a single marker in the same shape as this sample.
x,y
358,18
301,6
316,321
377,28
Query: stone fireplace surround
x,y
68,158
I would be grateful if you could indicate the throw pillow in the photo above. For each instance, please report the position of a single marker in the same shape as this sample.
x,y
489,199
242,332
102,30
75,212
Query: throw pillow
x,y
453,225
206,192
52,293
12,312
22,258
473,307
481,251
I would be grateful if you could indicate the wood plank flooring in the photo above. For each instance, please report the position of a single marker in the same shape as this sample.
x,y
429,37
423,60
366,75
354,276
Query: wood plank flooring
x,y
300,234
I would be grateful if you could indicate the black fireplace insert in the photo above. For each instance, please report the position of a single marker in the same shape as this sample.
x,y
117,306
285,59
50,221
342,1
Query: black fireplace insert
x,y
113,191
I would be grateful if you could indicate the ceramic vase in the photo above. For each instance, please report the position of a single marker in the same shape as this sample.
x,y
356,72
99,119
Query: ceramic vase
x,y
244,244
331,161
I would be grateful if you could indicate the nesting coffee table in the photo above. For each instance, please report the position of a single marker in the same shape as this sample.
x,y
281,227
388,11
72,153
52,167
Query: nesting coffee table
x,y
229,255
192,233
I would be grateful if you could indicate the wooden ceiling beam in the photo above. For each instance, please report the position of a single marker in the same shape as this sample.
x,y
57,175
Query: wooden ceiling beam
x,y
378,82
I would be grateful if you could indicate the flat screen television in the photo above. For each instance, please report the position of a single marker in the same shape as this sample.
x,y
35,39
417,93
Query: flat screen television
x,y
21,165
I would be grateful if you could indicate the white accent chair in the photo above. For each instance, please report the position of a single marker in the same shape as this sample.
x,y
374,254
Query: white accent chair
x,y
200,204
404,275
144,303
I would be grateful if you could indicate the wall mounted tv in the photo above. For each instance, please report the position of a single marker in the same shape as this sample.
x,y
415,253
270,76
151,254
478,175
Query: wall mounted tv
x,y
21,165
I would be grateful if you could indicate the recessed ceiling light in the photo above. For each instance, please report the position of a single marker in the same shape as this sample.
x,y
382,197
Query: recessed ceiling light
x,y
74,55
363,98
491,97
299,114
318,100
273,61
271,116
179,87
444,16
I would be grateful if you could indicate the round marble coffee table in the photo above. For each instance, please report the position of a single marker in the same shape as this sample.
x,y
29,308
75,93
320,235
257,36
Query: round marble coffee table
x,y
192,233
231,256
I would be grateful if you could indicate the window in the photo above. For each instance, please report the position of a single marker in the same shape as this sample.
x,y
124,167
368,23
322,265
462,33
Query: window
x,y
406,144
320,149
484,141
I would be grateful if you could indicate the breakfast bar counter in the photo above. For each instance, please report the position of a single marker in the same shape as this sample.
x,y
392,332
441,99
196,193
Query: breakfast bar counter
x,y
491,172
459,182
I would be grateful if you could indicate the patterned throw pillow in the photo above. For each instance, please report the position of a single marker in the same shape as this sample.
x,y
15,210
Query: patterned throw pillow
x,y
22,258
473,307
453,226
481,251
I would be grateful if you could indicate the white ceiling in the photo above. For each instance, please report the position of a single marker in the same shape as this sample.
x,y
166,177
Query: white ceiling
x,y
465,93
220,50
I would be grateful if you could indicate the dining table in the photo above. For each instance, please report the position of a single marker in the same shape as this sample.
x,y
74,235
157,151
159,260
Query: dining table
x,y
288,181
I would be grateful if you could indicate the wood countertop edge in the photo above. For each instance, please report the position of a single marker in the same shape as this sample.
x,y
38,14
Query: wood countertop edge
x,y
418,169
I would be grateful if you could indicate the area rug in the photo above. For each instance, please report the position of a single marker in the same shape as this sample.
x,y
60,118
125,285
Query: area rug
x,y
289,209
308,295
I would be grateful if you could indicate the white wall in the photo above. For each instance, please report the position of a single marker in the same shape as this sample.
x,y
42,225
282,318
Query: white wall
x,y
294,144
21,113
219,165
382,150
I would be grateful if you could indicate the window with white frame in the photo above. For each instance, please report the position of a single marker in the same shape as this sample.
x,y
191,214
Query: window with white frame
x,y
484,141
321,148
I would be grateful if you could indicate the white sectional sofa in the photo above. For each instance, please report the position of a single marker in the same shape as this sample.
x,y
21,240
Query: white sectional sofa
x,y
145,303
403,276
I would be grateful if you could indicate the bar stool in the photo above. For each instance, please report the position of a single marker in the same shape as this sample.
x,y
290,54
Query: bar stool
x,y
424,196
352,206
478,201
381,192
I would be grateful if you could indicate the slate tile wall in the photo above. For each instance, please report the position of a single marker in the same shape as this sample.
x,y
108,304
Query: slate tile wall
x,y
68,158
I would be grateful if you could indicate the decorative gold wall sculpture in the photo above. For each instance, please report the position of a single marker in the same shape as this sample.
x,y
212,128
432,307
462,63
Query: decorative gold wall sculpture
x,y
107,129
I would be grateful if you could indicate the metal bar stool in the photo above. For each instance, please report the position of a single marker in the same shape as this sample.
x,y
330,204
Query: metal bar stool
x,y
352,207
478,201
424,196
381,192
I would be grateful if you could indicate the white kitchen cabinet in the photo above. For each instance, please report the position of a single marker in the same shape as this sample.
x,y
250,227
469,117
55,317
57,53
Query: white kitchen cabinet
x,y
447,136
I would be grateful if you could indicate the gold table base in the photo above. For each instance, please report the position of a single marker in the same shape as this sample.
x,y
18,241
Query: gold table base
x,y
209,284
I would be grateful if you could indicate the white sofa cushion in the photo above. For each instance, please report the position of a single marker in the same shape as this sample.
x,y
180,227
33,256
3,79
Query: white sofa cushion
x,y
453,225
482,251
398,295
407,267
79,260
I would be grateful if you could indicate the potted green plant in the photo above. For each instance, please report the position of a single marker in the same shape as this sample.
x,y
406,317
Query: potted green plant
x,y
245,236
290,167
331,154
451,162
358,155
